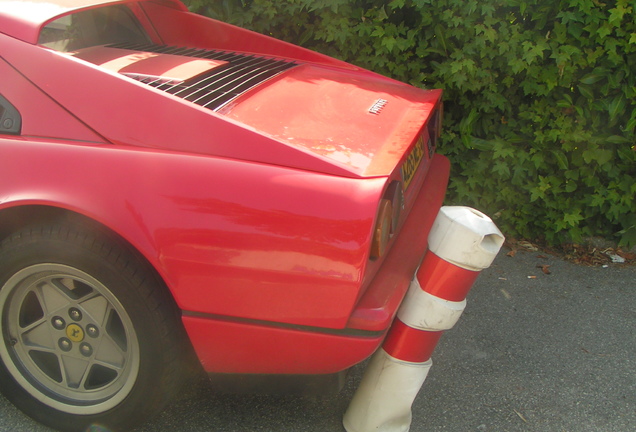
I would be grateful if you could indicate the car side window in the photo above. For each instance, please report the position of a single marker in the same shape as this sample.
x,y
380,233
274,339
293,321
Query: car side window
x,y
10,119
101,26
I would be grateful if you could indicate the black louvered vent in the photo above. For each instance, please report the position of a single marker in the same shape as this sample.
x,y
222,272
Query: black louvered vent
x,y
221,85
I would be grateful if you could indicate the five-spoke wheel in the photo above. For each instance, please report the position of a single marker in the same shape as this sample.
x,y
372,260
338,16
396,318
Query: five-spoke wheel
x,y
90,335
71,341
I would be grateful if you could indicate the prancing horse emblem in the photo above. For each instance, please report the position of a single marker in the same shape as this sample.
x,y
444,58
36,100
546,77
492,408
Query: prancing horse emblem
x,y
75,333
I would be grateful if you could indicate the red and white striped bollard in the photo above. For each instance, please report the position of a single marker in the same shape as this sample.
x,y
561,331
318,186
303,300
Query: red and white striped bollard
x,y
462,242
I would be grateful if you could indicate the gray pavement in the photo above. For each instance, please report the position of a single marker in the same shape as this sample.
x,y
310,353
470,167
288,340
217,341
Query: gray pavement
x,y
547,353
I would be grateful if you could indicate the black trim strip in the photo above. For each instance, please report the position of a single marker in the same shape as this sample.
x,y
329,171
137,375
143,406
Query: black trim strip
x,y
347,332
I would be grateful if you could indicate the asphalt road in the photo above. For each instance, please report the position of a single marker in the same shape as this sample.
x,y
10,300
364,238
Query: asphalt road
x,y
547,353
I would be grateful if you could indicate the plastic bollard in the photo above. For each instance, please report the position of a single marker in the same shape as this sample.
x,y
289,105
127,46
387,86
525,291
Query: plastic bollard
x,y
462,242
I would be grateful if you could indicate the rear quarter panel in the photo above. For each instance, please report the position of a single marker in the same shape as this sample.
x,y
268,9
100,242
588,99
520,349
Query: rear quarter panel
x,y
229,238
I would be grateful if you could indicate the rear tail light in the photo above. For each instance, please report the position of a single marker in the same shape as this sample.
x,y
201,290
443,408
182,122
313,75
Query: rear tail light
x,y
382,230
388,218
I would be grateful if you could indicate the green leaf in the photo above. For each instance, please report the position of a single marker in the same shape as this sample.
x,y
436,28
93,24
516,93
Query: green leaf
x,y
617,139
626,154
562,160
481,144
396,4
502,169
439,33
628,237
573,218
592,78
616,15
382,15
466,126
586,91
580,111
575,29
600,156
570,186
388,42
631,123
597,200
616,107
604,31
568,98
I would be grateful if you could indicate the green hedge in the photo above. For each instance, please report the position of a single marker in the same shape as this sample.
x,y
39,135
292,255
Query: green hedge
x,y
540,96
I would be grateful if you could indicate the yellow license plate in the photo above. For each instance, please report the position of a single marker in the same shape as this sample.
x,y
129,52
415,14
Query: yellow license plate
x,y
409,168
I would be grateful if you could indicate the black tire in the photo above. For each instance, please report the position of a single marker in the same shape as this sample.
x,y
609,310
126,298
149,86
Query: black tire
x,y
90,336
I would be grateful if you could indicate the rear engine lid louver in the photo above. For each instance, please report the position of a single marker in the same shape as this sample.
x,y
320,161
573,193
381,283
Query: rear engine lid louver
x,y
217,87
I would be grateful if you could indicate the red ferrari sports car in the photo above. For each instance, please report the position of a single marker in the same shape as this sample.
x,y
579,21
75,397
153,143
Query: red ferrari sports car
x,y
176,190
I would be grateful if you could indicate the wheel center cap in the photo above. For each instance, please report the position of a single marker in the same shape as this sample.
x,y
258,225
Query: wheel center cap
x,y
75,333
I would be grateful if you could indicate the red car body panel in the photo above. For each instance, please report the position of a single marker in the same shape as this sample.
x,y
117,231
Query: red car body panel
x,y
57,122
338,127
222,250
259,216
300,350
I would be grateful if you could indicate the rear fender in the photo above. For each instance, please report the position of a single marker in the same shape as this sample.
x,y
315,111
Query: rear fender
x,y
229,238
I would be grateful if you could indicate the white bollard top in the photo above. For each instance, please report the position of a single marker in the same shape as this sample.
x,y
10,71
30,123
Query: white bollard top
x,y
465,237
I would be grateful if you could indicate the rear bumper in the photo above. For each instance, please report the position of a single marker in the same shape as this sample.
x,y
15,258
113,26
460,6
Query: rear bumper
x,y
377,307
251,347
